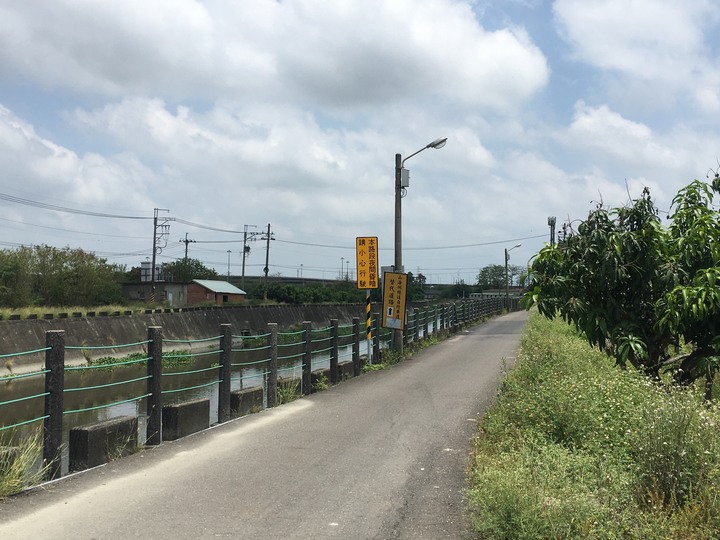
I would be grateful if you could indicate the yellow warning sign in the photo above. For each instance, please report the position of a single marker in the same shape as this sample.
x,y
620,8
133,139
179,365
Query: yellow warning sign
x,y
394,294
366,256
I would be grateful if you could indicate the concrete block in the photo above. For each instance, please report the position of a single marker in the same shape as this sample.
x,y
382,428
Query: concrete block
x,y
183,419
346,370
95,444
246,401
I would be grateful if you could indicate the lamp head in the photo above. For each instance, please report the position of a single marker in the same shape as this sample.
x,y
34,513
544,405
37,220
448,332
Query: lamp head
x,y
437,143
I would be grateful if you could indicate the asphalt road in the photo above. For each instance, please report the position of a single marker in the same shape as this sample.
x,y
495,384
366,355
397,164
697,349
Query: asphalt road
x,y
382,456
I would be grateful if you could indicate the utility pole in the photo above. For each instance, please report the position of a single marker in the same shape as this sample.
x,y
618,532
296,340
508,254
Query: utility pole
x,y
186,241
551,223
267,237
159,242
246,250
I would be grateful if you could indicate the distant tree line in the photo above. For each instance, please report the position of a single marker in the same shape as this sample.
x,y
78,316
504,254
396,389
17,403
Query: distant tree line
x,y
48,276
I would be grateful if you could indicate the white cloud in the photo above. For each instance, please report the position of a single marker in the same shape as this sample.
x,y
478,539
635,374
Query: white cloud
x,y
660,43
107,184
338,53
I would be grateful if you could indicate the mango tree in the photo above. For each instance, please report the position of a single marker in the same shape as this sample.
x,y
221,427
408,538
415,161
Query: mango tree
x,y
638,289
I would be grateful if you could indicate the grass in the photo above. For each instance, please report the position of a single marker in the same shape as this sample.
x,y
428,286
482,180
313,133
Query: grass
x,y
18,465
321,383
288,390
576,448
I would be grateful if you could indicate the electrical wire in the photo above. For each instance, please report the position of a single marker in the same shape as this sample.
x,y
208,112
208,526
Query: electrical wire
x,y
427,248
209,228
46,206
72,231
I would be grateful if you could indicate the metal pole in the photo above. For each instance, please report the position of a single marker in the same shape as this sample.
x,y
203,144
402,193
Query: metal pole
x,y
397,341
507,289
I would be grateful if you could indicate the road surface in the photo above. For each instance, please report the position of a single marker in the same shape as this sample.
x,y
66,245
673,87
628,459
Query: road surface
x,y
382,456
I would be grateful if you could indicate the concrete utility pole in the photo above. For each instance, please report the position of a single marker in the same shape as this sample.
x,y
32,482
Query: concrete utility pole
x,y
159,242
246,250
402,181
186,241
267,236
507,285
551,223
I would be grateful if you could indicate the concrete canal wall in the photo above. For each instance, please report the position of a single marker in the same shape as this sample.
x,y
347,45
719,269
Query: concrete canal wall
x,y
188,323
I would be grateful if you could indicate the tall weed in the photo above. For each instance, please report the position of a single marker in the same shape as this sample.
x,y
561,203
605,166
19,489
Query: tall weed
x,y
577,448
19,464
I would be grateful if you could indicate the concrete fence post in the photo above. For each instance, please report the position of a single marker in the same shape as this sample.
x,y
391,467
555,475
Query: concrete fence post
x,y
273,368
416,324
54,387
153,434
406,329
334,369
426,316
357,367
225,373
307,358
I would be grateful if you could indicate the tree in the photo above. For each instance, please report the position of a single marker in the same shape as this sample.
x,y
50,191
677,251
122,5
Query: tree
x,y
691,309
45,275
415,287
492,276
16,277
185,270
635,288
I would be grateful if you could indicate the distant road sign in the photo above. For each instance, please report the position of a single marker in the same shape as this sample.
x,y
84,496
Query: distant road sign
x,y
366,256
394,295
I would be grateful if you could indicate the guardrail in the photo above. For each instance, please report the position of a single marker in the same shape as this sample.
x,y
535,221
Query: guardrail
x,y
272,358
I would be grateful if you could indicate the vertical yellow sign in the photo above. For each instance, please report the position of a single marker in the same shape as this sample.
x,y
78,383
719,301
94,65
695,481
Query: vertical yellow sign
x,y
394,294
366,256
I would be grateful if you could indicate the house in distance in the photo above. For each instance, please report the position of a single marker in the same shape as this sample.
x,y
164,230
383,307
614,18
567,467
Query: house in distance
x,y
202,291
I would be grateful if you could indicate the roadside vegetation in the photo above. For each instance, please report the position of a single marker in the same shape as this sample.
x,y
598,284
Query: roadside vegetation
x,y
576,448
647,294
19,464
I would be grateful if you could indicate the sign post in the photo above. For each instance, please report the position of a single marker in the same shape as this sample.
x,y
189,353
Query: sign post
x,y
366,257
394,299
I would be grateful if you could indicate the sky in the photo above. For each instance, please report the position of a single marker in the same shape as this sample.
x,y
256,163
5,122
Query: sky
x,y
227,116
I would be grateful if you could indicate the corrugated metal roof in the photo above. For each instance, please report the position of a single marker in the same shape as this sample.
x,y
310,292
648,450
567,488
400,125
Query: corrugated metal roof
x,y
221,287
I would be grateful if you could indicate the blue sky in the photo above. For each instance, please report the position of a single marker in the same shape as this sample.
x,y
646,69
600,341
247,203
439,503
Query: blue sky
x,y
291,113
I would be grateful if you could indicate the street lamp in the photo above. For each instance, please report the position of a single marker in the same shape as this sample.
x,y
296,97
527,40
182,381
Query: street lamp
x,y
507,288
402,181
228,252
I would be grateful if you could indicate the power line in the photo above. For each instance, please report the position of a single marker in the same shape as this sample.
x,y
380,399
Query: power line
x,y
46,206
427,248
199,226
72,231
